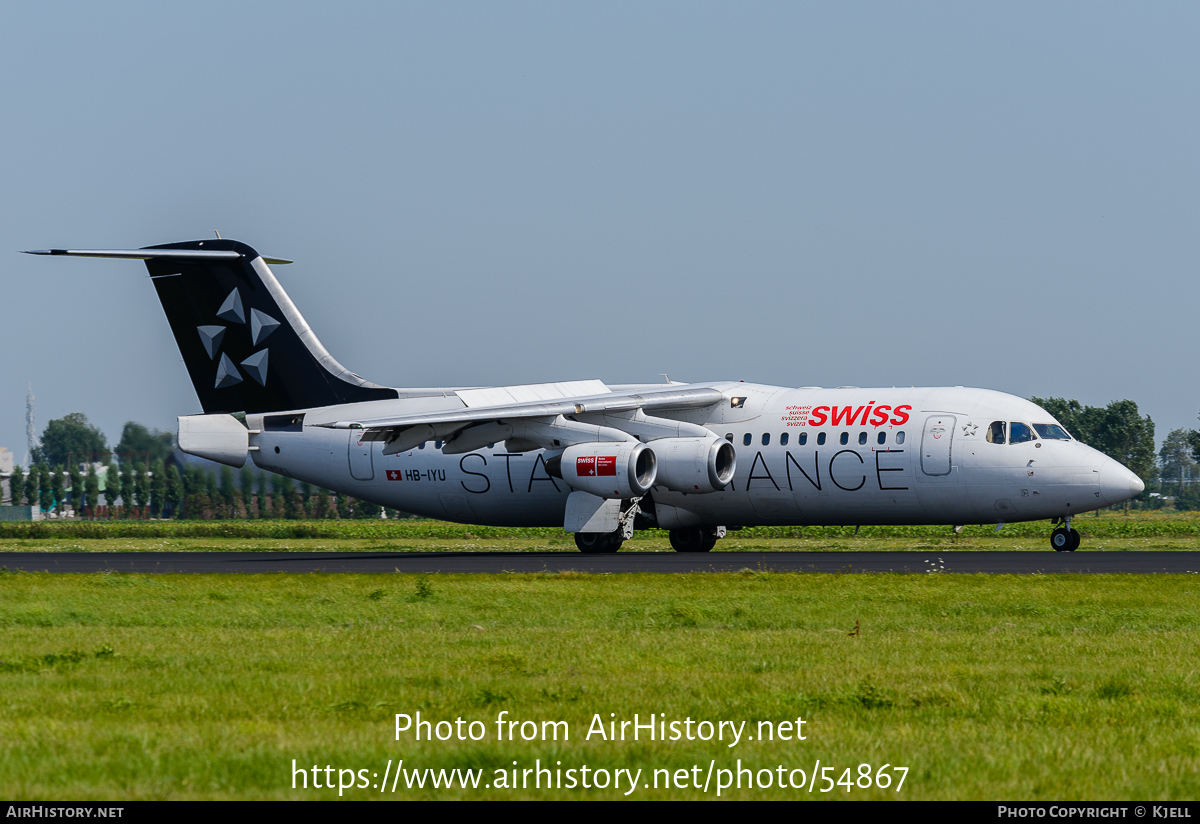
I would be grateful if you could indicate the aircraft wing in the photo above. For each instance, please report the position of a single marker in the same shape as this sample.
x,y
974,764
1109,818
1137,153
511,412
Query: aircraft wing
x,y
404,432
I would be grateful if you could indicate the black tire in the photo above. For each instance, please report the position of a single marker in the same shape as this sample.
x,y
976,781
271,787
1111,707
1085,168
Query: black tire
x,y
1075,539
1060,540
710,541
691,539
597,543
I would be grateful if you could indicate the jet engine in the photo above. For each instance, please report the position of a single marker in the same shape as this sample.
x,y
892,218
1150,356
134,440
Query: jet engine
x,y
624,469
694,465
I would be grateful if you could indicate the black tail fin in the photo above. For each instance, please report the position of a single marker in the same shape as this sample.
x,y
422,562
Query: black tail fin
x,y
246,346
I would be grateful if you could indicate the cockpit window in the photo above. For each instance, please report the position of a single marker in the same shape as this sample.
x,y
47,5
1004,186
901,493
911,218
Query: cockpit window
x,y
1020,432
996,433
1051,432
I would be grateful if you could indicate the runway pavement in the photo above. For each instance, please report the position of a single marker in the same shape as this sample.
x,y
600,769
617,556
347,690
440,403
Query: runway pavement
x,y
998,562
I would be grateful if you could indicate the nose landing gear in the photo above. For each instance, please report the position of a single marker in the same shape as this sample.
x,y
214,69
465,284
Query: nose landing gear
x,y
1065,539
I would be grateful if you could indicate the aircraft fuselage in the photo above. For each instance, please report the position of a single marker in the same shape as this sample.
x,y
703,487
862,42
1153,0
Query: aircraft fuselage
x,y
804,456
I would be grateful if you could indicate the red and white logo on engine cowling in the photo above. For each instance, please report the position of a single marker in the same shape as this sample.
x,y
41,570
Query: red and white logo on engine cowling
x,y
590,466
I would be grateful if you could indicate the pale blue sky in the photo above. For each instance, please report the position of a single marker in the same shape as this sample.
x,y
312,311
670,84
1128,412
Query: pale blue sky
x,y
1000,195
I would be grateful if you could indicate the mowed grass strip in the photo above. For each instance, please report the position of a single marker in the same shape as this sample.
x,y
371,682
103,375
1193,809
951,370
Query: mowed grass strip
x,y
1110,532
405,533
119,686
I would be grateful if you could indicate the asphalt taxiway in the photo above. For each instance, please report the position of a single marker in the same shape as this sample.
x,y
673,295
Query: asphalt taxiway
x,y
993,562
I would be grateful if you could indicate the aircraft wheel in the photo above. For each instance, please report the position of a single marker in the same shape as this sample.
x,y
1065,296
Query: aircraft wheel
x,y
1060,540
710,541
691,539
597,543
1075,539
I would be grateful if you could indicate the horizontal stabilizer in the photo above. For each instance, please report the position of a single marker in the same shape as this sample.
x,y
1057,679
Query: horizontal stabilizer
x,y
151,254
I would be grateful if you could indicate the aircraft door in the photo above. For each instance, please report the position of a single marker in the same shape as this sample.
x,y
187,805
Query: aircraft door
x,y
935,444
361,468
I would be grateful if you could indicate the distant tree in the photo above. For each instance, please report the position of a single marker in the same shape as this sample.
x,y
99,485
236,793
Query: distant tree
x,y
366,509
306,499
213,506
16,486
1176,465
195,501
112,488
71,439
145,446
229,491
76,478
33,484
174,492
91,491
265,509
158,488
246,482
1188,498
128,503
45,497
320,504
285,498
58,488
141,489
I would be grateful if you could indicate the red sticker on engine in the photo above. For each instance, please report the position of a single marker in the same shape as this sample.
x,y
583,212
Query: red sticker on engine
x,y
590,466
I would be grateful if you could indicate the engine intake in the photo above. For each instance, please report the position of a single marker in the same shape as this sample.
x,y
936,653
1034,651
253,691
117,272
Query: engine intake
x,y
694,465
610,470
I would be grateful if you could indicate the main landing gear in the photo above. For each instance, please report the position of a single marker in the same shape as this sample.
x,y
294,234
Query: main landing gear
x,y
599,543
606,543
696,538
1065,539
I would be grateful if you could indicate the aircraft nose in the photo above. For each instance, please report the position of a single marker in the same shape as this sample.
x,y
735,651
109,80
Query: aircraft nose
x,y
1118,484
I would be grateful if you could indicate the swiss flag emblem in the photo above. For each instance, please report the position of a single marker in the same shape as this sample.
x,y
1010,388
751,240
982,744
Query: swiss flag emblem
x,y
395,475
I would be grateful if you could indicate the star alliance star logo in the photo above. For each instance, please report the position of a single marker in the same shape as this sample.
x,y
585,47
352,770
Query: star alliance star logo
x,y
261,326
970,429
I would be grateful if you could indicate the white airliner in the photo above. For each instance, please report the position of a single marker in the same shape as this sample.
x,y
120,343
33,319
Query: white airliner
x,y
602,460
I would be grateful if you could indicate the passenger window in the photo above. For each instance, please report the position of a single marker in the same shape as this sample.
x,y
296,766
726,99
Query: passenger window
x,y
881,439
845,439
747,439
729,437
820,439
422,446
996,432
862,438
802,439
766,439
1020,433
783,439
900,436
437,445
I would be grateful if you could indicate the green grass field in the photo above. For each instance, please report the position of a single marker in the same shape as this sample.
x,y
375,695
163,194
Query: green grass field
x,y
1110,532
985,687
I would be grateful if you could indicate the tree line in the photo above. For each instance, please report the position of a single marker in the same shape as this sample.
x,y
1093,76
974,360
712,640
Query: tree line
x,y
74,469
